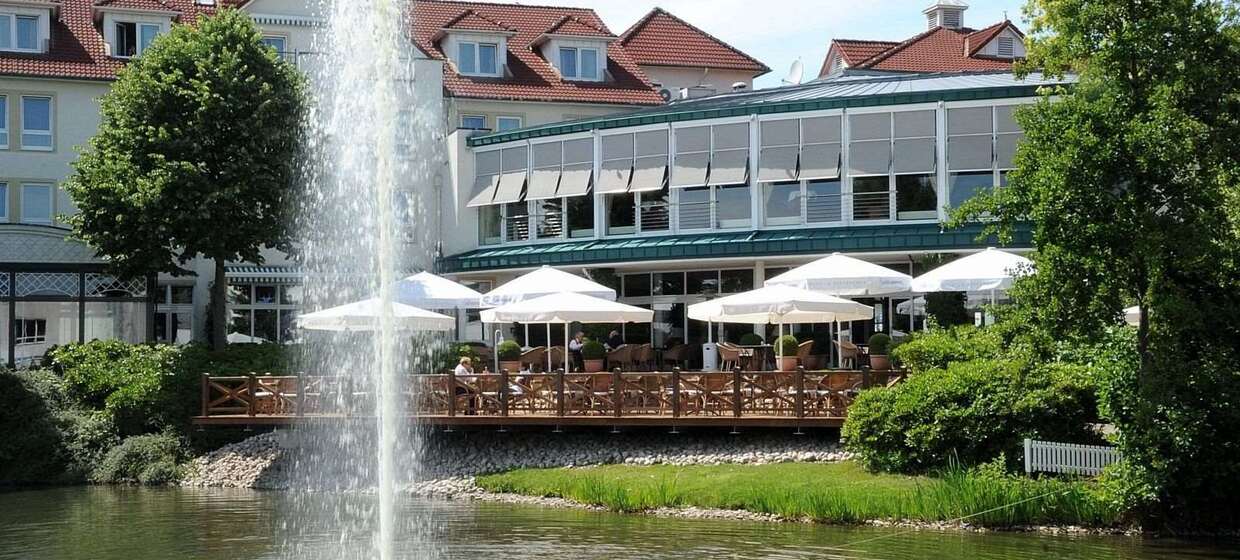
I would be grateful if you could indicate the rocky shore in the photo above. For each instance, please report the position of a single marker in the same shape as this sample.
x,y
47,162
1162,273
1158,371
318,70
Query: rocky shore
x,y
448,462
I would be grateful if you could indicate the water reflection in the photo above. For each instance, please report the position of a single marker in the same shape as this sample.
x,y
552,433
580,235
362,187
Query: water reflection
x,y
107,523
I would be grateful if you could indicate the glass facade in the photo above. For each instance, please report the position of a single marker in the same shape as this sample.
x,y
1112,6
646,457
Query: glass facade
x,y
262,312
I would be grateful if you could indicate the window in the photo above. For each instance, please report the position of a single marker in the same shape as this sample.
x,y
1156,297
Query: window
x,y
913,162
964,186
735,281
732,207
823,202
133,38
621,214
36,123
782,203
4,122
580,216
702,282
870,198
261,313
669,284
19,33
636,285
36,204
29,331
916,198
579,63
174,313
517,221
276,42
693,210
489,224
473,122
478,59
869,163
550,218
507,123
4,202
654,210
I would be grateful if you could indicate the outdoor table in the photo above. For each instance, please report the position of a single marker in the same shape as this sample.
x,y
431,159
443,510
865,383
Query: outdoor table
x,y
760,353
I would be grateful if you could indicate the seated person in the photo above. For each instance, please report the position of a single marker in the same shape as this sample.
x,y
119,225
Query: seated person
x,y
614,340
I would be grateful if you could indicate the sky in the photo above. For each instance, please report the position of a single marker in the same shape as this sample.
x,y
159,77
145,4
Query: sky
x,y
778,32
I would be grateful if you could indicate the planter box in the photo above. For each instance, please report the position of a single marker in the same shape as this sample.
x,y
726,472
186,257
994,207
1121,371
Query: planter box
x,y
788,363
593,366
880,362
512,367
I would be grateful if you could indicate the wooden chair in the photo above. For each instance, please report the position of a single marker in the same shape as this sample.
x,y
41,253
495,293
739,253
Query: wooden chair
x,y
808,360
533,358
556,356
848,353
676,355
729,356
621,357
486,358
643,357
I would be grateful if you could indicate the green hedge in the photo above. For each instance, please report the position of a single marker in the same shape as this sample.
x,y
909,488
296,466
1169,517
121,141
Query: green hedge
x,y
971,412
937,348
145,459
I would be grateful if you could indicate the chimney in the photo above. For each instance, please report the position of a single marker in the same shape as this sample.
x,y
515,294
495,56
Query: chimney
x,y
946,13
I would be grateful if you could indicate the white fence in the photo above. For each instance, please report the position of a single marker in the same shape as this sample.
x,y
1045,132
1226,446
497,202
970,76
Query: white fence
x,y
1071,458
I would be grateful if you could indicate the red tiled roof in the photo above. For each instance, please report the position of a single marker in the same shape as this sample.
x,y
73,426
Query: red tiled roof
x,y
572,25
77,50
937,50
662,39
531,78
470,20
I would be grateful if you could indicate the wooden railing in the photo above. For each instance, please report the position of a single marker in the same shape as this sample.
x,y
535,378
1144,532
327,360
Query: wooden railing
x,y
631,395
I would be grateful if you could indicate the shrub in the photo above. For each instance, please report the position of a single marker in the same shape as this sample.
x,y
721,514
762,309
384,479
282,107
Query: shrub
x,y
86,436
787,345
148,459
31,449
880,344
970,411
937,348
509,351
751,339
593,350
143,387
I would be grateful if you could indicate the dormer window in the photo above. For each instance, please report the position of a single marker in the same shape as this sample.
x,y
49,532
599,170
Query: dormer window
x,y
22,30
579,63
133,38
478,59
1007,47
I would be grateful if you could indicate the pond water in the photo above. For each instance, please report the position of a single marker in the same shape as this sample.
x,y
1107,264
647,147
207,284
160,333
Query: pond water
x,y
105,523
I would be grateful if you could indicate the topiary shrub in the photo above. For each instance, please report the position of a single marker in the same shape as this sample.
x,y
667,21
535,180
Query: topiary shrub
x,y
751,339
938,348
508,351
787,345
593,350
145,459
880,344
971,412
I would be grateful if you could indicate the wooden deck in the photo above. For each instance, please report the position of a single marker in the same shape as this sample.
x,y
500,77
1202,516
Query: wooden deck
x,y
723,399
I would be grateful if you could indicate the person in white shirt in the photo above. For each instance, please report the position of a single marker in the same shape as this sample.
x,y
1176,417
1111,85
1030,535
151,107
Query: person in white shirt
x,y
465,374
574,350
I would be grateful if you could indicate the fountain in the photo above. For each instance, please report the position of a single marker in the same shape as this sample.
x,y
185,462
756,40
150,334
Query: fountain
x,y
365,172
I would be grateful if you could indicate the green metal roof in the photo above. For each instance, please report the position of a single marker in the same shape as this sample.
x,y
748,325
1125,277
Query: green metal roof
x,y
856,239
846,90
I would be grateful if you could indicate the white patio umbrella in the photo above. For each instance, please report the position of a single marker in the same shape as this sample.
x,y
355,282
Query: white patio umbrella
x,y
1132,315
990,270
540,282
842,275
918,304
364,316
429,291
780,304
566,308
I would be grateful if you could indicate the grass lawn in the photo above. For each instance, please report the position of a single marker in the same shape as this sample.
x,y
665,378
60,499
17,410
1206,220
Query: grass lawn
x,y
823,492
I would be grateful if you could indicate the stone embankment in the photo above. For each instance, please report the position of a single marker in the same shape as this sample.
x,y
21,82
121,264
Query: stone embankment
x,y
448,462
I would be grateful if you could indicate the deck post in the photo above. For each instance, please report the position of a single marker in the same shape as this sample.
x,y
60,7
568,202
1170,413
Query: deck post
x,y
800,392
676,392
301,394
206,394
252,389
559,392
617,392
503,393
865,377
736,392
451,392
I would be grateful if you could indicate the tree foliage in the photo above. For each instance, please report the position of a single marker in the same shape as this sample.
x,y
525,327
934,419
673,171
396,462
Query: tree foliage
x,y
196,152
1130,179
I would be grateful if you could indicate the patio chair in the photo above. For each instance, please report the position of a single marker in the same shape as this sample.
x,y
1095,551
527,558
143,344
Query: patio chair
x,y
621,357
729,356
808,360
534,358
643,357
848,353
676,355
556,354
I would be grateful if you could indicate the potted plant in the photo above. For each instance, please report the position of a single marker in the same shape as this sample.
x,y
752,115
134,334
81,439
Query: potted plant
x,y
880,345
592,353
509,353
787,351
751,339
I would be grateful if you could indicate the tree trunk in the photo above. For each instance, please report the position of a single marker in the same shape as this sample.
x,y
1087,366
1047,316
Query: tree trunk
x,y
219,307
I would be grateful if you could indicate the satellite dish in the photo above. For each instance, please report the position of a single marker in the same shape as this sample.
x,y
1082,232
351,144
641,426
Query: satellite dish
x,y
795,73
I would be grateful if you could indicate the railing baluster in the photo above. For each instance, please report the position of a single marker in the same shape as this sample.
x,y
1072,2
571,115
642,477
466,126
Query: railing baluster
x,y
503,392
252,389
736,392
206,394
301,394
559,392
675,392
617,392
451,392
800,392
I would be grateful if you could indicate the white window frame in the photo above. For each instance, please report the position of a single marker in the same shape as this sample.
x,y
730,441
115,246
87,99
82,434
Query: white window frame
x,y
51,203
51,124
578,50
41,28
138,23
20,336
274,36
474,116
500,118
166,306
476,47
253,305
4,122
4,202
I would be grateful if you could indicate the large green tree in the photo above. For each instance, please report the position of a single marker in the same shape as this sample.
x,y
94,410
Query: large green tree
x,y
196,155
1130,178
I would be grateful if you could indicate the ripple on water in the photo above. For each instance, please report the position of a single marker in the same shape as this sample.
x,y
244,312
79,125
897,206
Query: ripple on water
x,y
112,523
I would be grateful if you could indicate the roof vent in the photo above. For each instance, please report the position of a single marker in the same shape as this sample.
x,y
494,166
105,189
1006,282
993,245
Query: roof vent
x,y
946,13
